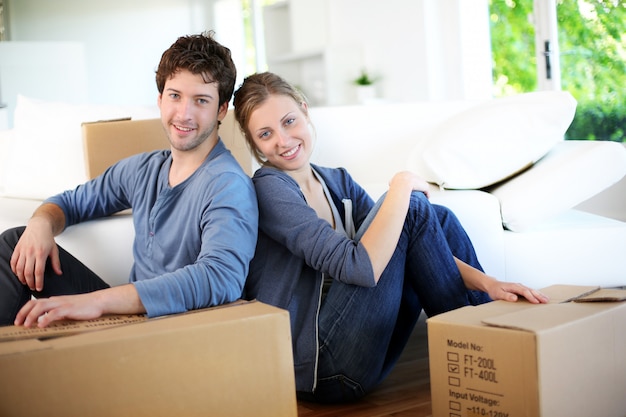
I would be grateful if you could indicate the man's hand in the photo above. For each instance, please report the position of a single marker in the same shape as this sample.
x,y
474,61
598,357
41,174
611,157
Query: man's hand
x,y
32,251
43,311
123,299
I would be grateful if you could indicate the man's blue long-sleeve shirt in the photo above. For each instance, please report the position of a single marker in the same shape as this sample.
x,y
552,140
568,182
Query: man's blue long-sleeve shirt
x,y
193,242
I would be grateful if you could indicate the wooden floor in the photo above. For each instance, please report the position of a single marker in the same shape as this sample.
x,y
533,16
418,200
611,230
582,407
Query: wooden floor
x,y
406,392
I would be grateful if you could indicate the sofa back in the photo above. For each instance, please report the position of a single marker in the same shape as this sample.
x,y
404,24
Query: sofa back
x,y
373,142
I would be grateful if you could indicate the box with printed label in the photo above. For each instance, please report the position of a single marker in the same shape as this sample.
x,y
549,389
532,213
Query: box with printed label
x,y
501,359
233,360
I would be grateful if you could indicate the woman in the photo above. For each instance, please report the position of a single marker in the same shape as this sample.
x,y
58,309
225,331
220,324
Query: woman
x,y
354,275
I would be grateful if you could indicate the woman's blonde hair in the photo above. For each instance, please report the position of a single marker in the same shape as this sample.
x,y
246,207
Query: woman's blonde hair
x,y
252,93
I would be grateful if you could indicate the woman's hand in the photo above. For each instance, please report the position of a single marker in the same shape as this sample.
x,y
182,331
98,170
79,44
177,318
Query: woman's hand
x,y
409,179
509,291
475,279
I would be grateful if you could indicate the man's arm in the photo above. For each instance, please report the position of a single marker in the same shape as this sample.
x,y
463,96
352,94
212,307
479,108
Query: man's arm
x,y
37,244
116,300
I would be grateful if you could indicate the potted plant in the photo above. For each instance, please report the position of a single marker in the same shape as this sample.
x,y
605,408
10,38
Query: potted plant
x,y
365,88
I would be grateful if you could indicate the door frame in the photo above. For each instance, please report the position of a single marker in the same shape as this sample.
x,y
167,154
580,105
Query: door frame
x,y
547,45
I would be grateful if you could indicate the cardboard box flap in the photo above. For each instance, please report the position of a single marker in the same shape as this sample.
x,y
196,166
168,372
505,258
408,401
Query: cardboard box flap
x,y
604,294
223,315
32,338
545,317
567,293
67,327
508,315
473,315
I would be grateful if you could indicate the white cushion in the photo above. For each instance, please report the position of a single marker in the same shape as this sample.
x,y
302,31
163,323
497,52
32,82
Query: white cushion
x,y
46,156
6,143
574,171
493,140
573,247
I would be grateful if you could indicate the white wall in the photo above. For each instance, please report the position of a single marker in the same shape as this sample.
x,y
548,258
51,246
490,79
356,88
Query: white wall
x,y
123,40
52,71
422,49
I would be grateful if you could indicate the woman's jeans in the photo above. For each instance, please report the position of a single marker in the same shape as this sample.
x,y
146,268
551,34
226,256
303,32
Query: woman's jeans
x,y
364,330
76,278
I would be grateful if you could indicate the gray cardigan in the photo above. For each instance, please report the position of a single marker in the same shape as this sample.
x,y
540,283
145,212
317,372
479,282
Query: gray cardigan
x,y
296,247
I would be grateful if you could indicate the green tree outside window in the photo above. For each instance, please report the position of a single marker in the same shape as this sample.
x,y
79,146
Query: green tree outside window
x,y
592,40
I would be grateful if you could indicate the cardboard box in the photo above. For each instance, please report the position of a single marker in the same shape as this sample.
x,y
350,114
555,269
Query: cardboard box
x,y
106,142
565,358
232,360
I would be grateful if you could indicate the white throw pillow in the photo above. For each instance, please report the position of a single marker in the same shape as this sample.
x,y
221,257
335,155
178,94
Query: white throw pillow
x,y
6,144
574,171
46,156
493,140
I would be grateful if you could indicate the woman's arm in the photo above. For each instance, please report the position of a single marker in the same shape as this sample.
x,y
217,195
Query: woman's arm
x,y
475,279
286,218
381,238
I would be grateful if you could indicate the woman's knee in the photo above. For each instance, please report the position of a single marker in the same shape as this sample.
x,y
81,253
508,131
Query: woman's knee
x,y
420,206
444,213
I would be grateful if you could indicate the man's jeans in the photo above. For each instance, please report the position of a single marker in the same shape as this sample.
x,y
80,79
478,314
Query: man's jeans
x,y
76,278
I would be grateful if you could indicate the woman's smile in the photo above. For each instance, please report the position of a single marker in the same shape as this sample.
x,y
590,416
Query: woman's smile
x,y
291,152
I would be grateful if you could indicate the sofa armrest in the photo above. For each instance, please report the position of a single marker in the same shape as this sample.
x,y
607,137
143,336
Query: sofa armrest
x,y
110,250
571,173
608,203
104,245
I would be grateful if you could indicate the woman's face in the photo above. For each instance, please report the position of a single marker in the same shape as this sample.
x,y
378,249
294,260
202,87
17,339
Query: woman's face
x,y
280,131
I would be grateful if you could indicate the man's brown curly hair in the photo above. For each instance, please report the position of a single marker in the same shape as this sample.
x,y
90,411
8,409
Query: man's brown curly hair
x,y
199,54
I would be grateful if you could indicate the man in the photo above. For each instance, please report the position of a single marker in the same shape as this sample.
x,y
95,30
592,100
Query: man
x,y
194,212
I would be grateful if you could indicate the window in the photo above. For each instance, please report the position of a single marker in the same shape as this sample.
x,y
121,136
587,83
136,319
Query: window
x,y
253,26
3,34
586,54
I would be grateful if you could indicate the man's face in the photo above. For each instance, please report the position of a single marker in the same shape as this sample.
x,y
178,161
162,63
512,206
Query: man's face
x,y
190,111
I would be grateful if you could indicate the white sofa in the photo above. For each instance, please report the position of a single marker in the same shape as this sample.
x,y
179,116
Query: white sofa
x,y
554,242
